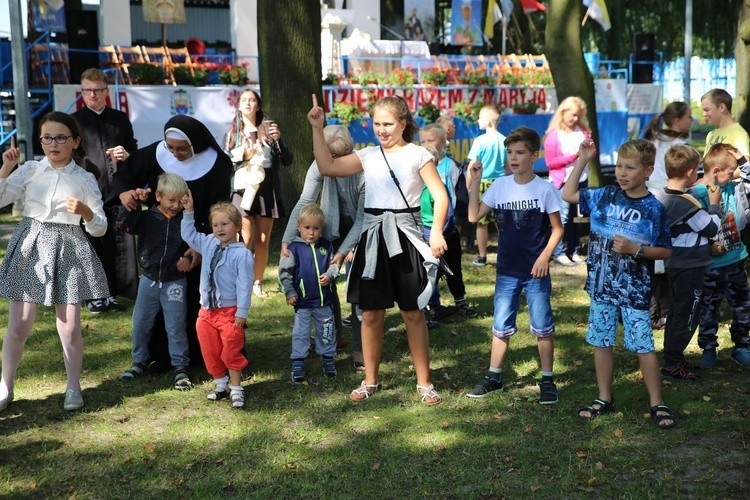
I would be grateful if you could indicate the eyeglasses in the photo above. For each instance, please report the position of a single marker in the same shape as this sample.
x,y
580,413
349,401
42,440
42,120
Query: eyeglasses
x,y
179,151
94,91
60,139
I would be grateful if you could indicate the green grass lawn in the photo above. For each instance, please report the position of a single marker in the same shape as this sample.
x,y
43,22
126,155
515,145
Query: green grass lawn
x,y
143,440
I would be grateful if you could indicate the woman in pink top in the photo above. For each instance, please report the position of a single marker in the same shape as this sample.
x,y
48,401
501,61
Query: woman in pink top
x,y
567,130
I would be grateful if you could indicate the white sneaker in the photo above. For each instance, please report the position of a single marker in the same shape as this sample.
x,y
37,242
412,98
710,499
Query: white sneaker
x,y
238,398
563,260
578,259
73,400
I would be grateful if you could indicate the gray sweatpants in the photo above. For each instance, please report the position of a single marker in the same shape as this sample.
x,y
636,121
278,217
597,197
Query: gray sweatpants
x,y
325,332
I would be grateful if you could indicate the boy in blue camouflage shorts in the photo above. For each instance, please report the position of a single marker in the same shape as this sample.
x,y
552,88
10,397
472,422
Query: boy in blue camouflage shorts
x,y
629,231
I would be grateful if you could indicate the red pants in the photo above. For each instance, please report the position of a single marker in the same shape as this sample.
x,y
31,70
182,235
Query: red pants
x,y
221,341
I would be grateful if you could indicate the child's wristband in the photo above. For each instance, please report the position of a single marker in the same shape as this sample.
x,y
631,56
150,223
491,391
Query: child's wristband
x,y
741,161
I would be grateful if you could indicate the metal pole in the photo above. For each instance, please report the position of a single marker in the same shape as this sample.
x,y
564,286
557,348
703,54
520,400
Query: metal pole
x,y
505,33
24,128
688,48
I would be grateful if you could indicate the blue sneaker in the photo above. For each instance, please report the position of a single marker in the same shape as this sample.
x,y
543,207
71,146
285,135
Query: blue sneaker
x,y
708,359
742,356
298,372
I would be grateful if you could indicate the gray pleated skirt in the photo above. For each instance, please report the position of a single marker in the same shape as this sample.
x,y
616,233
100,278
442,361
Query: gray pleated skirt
x,y
49,263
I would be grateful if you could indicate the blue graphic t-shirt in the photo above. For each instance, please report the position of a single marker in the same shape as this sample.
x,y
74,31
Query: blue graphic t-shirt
x,y
614,278
523,226
729,232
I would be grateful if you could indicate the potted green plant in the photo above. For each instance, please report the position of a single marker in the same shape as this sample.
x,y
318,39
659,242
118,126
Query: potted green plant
x,y
182,76
429,112
469,112
401,77
201,77
233,74
346,112
525,108
435,76
146,74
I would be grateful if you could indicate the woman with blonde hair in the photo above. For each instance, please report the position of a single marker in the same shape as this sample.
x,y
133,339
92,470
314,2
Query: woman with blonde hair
x,y
567,130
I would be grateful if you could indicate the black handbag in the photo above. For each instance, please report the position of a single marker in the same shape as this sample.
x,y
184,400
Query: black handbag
x,y
441,261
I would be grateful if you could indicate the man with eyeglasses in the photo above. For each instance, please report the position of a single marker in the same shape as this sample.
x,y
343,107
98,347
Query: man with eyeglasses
x,y
108,140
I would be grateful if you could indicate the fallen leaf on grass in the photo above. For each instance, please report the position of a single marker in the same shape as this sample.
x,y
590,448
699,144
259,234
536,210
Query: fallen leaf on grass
x,y
719,411
446,425
535,488
528,430
587,489
727,384
599,466
439,448
149,447
582,454
686,412
578,362
375,466
706,399
497,415
122,420
618,433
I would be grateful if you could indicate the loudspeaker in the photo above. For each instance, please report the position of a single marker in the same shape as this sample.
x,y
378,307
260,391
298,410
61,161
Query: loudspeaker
x,y
83,34
643,50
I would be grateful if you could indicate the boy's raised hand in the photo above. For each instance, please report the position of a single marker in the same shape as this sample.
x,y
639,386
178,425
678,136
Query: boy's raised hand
x,y
187,202
316,116
474,172
587,150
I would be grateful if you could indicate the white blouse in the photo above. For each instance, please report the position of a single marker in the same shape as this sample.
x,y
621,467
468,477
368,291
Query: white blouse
x,y
406,163
47,189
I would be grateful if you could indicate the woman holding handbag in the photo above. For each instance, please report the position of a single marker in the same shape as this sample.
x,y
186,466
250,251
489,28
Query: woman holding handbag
x,y
257,150
392,263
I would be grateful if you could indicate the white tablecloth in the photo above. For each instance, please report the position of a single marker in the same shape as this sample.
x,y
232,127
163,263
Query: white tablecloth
x,y
383,48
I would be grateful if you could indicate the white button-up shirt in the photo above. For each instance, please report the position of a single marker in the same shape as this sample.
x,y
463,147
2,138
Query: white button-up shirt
x,y
47,189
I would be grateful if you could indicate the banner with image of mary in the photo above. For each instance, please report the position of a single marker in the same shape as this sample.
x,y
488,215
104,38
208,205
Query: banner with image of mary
x,y
466,22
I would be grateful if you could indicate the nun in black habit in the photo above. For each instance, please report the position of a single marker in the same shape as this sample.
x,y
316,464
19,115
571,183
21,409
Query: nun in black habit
x,y
191,151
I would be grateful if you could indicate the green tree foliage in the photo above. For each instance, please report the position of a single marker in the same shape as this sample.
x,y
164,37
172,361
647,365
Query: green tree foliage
x,y
714,26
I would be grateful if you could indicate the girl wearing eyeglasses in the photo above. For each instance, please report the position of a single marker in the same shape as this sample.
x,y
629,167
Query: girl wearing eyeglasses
x,y
49,260
190,151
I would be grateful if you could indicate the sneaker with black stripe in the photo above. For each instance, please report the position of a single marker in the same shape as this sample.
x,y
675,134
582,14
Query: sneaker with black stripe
x,y
485,387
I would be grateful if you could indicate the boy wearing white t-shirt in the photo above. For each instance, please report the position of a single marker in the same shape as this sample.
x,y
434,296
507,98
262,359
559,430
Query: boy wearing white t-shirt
x,y
528,225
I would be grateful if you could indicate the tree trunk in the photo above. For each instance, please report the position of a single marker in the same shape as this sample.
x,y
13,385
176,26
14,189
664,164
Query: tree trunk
x,y
740,107
569,70
290,72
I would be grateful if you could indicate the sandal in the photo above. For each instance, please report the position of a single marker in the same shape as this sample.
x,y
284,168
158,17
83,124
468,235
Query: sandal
x,y
429,395
218,394
133,372
258,290
180,381
604,408
667,415
363,392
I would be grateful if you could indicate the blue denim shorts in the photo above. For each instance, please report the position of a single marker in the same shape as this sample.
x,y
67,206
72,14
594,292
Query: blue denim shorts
x,y
638,336
507,298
